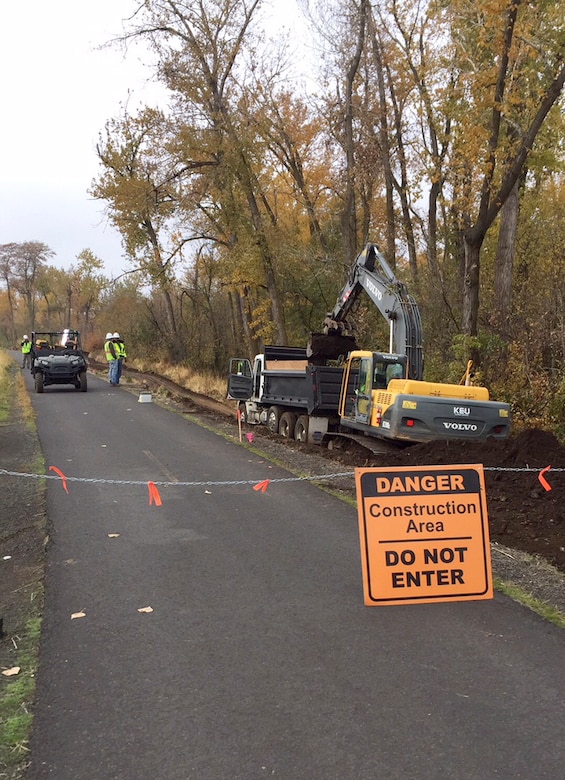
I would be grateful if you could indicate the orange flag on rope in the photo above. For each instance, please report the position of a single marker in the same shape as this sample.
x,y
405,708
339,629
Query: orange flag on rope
x,y
154,497
262,486
63,477
543,480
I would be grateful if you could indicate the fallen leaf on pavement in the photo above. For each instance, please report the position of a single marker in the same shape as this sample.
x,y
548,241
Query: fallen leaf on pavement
x,y
78,615
145,609
11,672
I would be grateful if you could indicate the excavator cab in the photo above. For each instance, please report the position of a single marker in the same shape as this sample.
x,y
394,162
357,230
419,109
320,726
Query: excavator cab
x,y
365,383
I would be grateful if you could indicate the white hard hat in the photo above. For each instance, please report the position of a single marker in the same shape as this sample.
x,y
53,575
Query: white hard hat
x,y
116,335
25,336
109,335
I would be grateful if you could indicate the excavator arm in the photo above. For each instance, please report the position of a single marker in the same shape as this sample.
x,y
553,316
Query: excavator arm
x,y
371,273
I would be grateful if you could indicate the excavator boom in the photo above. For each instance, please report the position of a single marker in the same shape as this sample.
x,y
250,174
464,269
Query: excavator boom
x,y
371,273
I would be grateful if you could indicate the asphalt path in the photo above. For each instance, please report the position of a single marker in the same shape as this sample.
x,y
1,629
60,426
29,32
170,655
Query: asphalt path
x,y
259,658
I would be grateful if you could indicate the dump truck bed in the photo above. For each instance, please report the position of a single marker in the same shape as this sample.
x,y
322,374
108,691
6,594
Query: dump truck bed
x,y
315,388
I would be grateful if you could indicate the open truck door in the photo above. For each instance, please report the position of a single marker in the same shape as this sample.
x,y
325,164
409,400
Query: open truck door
x,y
240,380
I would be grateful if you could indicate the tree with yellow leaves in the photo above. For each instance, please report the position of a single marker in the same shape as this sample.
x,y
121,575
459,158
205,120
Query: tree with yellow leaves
x,y
510,65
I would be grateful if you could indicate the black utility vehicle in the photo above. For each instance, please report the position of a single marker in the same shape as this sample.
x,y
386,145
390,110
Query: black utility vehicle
x,y
57,359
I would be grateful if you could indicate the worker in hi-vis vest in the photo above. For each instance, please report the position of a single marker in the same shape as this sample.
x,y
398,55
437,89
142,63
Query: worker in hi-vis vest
x,y
26,352
122,354
111,352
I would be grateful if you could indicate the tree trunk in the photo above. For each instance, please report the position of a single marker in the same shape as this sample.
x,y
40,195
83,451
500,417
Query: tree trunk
x,y
11,307
350,209
435,191
159,278
401,186
505,264
384,141
245,310
69,313
277,309
470,317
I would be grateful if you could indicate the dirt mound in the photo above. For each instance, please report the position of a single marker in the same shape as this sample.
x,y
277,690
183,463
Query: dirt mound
x,y
522,514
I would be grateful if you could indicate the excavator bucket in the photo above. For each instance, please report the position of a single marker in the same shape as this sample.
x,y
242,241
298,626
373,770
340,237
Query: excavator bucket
x,y
330,346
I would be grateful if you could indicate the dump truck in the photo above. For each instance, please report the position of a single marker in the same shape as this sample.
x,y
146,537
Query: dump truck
x,y
286,392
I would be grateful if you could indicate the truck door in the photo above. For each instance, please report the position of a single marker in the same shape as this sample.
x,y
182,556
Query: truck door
x,y
240,380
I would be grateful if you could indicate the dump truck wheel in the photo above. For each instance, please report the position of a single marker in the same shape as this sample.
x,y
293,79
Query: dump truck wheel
x,y
301,429
287,424
273,418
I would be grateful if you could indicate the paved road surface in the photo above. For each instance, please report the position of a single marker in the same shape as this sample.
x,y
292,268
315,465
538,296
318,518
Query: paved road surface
x,y
259,659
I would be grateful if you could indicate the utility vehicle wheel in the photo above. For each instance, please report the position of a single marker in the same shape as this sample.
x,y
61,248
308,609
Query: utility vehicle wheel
x,y
39,382
242,413
83,382
301,429
287,424
273,418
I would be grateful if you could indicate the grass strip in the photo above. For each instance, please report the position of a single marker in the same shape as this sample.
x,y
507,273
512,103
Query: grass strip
x,y
16,697
541,608
22,646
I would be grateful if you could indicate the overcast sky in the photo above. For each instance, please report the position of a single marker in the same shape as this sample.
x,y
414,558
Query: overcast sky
x,y
57,90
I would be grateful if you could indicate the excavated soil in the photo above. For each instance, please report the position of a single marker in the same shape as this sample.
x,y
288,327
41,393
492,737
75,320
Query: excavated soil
x,y
522,513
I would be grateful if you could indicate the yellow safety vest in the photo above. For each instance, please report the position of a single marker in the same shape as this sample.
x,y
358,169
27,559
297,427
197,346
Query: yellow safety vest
x,y
110,350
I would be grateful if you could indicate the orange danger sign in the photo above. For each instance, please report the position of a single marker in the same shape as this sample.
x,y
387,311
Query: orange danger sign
x,y
424,534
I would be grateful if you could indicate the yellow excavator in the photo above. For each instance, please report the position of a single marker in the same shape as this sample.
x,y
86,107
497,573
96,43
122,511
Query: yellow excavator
x,y
384,394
